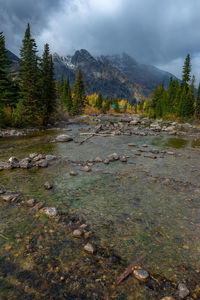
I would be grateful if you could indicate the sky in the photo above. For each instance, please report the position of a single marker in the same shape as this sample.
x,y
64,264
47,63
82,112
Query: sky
x,y
157,32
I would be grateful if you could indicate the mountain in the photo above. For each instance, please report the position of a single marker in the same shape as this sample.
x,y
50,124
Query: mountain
x,y
14,65
113,75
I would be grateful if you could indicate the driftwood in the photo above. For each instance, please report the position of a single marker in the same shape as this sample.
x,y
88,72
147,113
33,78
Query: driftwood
x,y
128,270
89,137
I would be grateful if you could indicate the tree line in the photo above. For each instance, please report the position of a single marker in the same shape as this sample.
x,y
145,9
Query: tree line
x,y
33,99
180,99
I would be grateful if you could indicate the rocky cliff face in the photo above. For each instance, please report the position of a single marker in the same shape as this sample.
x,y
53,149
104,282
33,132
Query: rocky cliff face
x,y
116,75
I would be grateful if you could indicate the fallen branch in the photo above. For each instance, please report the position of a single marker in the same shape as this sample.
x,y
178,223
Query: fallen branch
x,y
89,137
128,270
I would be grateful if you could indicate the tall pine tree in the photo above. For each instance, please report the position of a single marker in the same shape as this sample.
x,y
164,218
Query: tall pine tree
x,y
29,85
48,90
79,97
197,108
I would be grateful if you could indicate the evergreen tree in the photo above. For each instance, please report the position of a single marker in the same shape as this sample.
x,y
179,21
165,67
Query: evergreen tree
x,y
197,108
7,96
69,103
186,70
99,101
48,92
157,101
79,97
29,84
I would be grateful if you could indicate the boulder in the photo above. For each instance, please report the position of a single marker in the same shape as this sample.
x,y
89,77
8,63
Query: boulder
x,y
25,163
5,165
63,138
41,163
14,162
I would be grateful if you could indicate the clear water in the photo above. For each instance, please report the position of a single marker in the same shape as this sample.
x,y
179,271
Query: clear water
x,y
146,206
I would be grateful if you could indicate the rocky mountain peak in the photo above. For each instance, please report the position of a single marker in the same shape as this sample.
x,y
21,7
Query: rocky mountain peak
x,y
82,56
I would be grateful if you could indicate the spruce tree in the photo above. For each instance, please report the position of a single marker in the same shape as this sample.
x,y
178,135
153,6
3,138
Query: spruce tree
x,y
79,97
197,108
186,70
6,91
47,83
69,103
29,84
99,101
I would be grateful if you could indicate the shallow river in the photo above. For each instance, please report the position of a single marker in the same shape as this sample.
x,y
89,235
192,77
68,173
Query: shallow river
x,y
145,206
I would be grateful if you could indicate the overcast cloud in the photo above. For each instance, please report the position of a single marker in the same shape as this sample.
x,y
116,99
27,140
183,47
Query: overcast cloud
x,y
152,31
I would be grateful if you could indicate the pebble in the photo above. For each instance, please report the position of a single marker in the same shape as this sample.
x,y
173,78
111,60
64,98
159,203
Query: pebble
x,y
170,153
98,160
48,185
106,162
83,226
144,145
31,202
123,159
33,155
168,298
132,145
73,173
183,290
51,211
87,234
77,233
113,157
86,169
89,248
141,274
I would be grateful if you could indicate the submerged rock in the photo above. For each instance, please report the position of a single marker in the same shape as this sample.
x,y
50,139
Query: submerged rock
x,y
113,157
73,173
89,248
2,190
51,211
106,161
98,160
48,185
183,291
123,159
50,157
77,233
86,169
141,274
31,202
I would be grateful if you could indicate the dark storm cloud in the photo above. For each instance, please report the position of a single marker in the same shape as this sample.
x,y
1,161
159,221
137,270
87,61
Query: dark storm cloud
x,y
153,31
15,14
